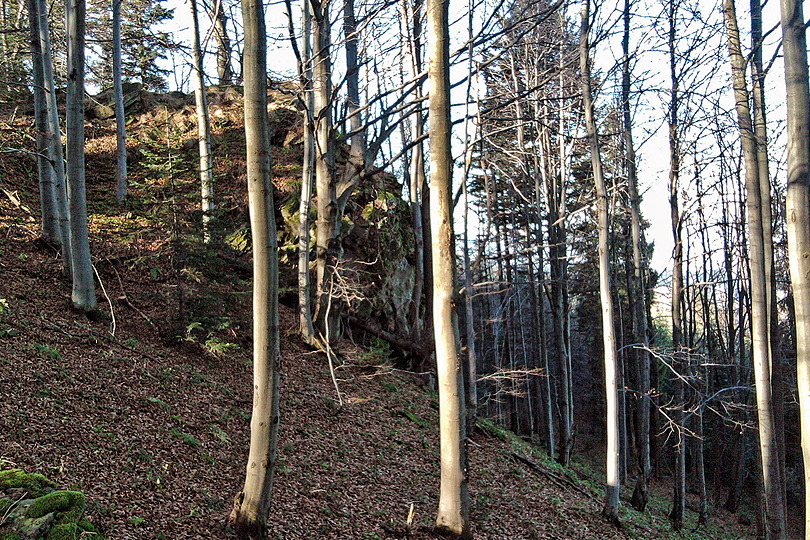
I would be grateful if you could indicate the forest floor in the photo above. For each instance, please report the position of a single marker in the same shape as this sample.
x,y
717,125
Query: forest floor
x,y
146,409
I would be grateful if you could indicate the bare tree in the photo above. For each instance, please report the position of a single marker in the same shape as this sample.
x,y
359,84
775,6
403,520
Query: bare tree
x,y
610,510
453,515
45,171
84,292
203,130
251,505
794,43
638,295
120,120
54,136
769,452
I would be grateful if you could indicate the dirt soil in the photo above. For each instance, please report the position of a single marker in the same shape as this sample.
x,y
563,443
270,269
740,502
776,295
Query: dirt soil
x,y
154,428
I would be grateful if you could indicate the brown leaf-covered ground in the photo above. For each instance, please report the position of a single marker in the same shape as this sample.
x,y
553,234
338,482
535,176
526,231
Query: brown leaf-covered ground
x,y
151,422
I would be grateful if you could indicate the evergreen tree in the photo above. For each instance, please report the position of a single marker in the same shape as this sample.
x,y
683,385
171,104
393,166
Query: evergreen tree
x,y
143,46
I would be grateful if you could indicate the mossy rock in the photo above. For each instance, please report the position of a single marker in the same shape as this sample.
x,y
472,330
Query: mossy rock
x,y
35,484
46,514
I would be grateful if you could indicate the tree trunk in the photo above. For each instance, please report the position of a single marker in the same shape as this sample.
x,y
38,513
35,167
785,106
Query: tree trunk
x,y
638,296
220,20
798,210
453,514
326,241
610,510
679,495
417,176
769,451
203,130
354,169
249,516
45,172
120,120
54,134
84,292
305,204
761,134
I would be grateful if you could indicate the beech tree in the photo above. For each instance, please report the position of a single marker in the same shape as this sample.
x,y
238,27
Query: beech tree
x,y
676,220
775,509
48,209
794,43
610,510
120,120
249,516
638,294
84,292
54,137
203,130
327,226
453,514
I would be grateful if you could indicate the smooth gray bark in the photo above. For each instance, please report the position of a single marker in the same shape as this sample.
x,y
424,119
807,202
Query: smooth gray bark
x,y
249,515
120,120
453,514
769,452
45,172
84,292
610,510
794,43
305,204
327,226
203,130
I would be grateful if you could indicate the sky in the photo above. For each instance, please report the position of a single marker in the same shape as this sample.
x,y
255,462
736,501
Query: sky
x,y
650,128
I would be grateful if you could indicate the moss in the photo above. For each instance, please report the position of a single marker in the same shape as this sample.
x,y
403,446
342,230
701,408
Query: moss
x,y
64,531
68,506
86,526
10,536
36,484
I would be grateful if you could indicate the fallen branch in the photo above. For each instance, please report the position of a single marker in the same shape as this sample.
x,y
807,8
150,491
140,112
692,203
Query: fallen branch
x,y
403,342
557,479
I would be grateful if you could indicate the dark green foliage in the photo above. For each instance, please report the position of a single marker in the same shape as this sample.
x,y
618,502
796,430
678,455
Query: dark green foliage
x,y
142,45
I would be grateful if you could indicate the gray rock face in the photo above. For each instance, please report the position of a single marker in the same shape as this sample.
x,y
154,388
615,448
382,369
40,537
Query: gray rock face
x,y
29,528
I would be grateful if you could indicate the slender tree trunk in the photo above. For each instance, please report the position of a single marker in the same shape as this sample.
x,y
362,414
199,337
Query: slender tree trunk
x,y
305,205
220,20
540,315
610,510
47,195
353,171
679,497
559,275
203,130
120,120
769,450
249,515
326,241
469,318
638,297
84,292
453,515
761,134
798,210
54,134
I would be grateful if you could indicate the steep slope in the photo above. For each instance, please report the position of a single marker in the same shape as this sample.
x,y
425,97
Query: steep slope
x,y
146,409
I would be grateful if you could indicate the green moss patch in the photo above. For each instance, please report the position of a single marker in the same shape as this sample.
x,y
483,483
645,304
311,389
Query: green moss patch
x,y
35,484
40,512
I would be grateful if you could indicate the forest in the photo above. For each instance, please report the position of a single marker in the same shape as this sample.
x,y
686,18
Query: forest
x,y
506,269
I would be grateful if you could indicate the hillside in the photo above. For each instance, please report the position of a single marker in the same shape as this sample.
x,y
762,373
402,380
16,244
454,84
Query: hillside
x,y
146,409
